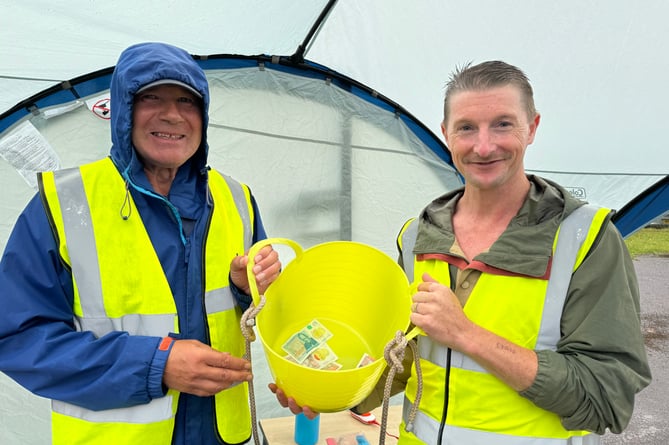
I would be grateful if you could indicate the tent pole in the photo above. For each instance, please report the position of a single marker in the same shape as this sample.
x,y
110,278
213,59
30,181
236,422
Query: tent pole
x,y
345,207
298,56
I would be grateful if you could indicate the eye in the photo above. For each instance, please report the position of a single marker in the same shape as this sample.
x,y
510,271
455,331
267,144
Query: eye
x,y
188,103
186,100
504,125
147,97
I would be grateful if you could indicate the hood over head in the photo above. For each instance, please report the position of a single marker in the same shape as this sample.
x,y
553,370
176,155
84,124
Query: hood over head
x,y
141,66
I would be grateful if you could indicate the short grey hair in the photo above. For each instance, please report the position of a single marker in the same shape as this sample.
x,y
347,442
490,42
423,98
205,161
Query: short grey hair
x,y
487,75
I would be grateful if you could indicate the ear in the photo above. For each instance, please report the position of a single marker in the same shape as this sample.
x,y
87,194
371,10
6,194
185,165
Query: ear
x,y
443,131
534,124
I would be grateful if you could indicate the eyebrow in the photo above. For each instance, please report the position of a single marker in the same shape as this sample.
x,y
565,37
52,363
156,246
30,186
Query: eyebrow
x,y
506,116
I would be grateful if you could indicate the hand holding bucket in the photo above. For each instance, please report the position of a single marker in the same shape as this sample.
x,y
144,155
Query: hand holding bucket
x,y
358,292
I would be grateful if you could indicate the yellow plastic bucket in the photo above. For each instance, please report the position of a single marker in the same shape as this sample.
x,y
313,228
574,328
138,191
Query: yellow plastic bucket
x,y
357,292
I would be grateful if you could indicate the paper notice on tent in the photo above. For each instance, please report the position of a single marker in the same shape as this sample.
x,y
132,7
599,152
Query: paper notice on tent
x,y
25,149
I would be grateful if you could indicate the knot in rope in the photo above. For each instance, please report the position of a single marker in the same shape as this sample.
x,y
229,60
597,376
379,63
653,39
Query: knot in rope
x,y
248,320
394,351
394,355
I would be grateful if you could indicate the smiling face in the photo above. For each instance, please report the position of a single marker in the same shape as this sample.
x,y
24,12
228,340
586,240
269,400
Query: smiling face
x,y
487,133
166,126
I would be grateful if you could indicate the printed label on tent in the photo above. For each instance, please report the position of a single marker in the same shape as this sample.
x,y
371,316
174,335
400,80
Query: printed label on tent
x,y
25,149
577,192
100,106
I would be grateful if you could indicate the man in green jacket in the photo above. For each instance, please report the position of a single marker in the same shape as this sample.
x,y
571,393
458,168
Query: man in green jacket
x,y
528,298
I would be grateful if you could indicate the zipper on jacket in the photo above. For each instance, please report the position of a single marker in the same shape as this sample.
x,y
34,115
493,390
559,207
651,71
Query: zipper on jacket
x,y
207,333
452,271
442,424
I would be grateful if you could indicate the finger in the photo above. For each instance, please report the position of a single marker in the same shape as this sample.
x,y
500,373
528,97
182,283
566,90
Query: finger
x,y
210,381
293,406
265,253
238,261
227,361
309,412
238,271
428,278
242,260
285,401
289,402
423,287
265,259
268,274
228,377
416,319
204,388
280,396
224,366
420,297
236,371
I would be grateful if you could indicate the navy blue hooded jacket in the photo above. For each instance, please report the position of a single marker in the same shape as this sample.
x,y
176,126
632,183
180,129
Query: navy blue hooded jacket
x,y
39,346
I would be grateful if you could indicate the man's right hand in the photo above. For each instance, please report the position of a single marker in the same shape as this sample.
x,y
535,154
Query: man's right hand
x,y
195,368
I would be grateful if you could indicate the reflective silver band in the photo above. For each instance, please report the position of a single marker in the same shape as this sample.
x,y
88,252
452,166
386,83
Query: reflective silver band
x,y
573,232
135,324
219,300
155,411
242,208
427,430
81,240
408,243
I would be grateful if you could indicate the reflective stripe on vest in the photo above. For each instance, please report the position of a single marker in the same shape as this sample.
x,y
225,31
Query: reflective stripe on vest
x,y
462,436
221,299
74,222
233,415
572,233
407,239
240,200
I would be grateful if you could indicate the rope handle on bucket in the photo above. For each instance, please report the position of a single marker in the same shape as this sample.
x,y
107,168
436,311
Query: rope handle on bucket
x,y
253,251
394,355
248,321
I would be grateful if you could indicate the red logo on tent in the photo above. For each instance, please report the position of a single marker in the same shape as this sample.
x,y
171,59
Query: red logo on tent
x,y
101,109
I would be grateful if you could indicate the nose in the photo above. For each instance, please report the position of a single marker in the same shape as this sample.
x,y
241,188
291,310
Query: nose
x,y
484,144
170,111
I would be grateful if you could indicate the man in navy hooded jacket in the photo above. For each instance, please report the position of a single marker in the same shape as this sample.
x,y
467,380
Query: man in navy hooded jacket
x,y
124,280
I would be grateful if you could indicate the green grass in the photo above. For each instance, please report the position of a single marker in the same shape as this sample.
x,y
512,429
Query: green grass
x,y
648,241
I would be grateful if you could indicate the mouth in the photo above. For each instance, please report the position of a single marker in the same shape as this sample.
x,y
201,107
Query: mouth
x,y
486,162
167,136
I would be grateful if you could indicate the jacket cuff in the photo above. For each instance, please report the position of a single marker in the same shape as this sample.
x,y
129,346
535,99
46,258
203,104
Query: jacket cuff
x,y
243,299
551,377
156,387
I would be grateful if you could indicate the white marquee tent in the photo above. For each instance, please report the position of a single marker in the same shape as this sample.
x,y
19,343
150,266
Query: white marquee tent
x,y
330,110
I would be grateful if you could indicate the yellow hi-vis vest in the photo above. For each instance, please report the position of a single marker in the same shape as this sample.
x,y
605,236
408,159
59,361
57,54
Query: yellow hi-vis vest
x,y
119,285
482,410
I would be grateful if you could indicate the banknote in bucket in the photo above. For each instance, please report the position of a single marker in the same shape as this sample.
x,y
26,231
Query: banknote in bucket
x,y
365,360
322,356
301,344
